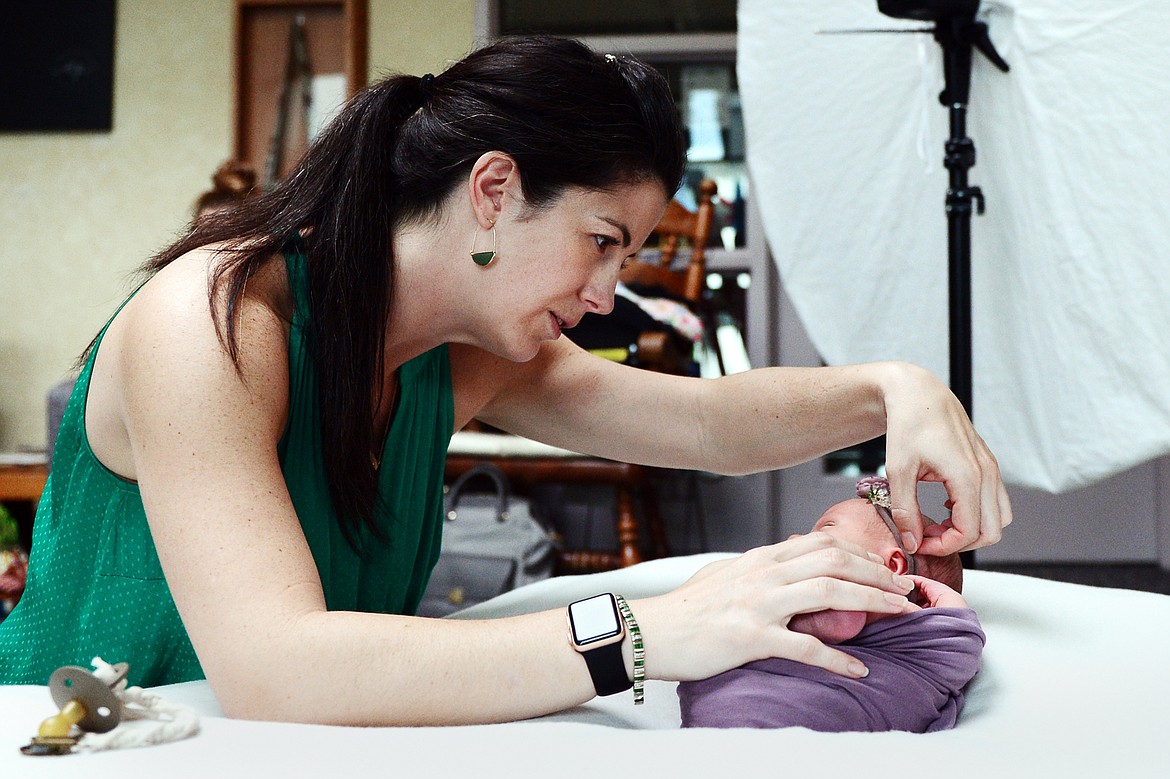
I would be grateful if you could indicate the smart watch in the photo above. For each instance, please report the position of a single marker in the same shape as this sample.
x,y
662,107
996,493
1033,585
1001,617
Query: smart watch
x,y
596,630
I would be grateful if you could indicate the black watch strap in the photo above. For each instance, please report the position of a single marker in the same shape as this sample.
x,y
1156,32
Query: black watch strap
x,y
608,669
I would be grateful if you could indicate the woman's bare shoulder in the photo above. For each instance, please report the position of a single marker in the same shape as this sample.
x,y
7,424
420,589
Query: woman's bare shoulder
x,y
163,351
183,286
174,315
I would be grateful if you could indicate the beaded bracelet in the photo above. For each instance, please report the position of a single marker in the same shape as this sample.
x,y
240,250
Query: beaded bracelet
x,y
639,651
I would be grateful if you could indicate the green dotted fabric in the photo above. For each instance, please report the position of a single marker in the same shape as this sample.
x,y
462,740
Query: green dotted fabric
x,y
95,586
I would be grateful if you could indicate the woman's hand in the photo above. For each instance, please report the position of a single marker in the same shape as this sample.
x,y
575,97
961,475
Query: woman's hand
x,y
735,611
929,437
834,627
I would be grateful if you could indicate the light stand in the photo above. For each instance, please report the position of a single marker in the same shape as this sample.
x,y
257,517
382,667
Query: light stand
x,y
958,33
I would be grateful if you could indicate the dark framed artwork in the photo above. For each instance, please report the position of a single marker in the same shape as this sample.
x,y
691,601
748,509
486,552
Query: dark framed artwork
x,y
57,65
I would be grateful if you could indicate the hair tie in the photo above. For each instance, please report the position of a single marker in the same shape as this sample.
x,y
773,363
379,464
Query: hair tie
x,y
876,490
426,87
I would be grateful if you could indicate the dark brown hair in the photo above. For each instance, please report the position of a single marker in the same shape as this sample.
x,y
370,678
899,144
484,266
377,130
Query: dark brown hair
x,y
947,569
569,116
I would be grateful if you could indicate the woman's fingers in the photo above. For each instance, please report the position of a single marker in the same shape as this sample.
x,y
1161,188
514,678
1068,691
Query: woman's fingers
x,y
962,530
800,544
821,555
976,497
996,495
834,595
979,513
966,481
751,600
806,649
931,438
825,592
905,511
833,564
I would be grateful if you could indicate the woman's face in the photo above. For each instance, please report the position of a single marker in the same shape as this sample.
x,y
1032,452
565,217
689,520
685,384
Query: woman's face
x,y
556,264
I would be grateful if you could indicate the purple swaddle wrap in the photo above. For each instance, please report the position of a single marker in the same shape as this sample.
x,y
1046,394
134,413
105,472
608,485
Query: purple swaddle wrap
x,y
919,665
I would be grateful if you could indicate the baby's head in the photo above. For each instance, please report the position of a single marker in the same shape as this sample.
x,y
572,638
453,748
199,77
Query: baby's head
x,y
858,521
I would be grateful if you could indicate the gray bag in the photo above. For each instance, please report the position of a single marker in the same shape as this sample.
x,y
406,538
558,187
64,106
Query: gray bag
x,y
491,544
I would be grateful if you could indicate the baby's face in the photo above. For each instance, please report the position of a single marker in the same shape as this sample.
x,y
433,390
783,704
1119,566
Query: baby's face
x,y
856,521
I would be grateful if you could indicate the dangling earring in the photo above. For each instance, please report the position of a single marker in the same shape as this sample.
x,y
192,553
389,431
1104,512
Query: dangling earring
x,y
483,259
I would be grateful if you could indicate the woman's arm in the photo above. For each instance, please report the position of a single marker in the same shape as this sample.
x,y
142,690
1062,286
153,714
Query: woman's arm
x,y
749,422
753,421
202,440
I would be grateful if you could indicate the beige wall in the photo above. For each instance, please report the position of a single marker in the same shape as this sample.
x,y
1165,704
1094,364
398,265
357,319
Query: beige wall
x,y
82,210
419,36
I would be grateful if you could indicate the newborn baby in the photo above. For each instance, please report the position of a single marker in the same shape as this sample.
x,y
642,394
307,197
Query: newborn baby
x,y
919,664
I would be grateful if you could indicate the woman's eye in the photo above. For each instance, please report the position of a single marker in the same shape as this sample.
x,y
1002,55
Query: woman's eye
x,y
604,242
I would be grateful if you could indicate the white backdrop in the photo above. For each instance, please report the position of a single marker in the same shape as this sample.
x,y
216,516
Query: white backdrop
x,y
1071,262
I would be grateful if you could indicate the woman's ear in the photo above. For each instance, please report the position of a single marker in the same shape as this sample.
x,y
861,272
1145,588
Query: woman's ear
x,y
494,177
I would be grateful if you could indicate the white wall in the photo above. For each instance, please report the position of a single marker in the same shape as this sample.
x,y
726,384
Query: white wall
x,y
79,211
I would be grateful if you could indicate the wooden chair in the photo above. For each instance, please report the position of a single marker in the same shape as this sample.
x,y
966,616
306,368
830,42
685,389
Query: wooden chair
x,y
656,349
527,463
678,224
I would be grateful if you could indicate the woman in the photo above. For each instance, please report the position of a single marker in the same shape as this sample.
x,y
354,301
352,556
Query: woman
x,y
254,494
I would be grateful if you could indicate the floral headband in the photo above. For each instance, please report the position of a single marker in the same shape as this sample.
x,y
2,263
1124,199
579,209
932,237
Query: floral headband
x,y
876,490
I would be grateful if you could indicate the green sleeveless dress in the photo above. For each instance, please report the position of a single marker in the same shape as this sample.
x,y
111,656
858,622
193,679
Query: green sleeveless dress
x,y
95,586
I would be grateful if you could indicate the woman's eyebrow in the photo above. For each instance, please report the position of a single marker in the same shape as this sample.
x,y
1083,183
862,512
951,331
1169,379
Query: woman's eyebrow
x,y
625,230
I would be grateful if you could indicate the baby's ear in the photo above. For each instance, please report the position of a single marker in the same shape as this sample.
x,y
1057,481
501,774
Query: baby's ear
x,y
897,562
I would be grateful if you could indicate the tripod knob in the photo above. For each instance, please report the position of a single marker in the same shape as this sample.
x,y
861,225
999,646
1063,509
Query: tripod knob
x,y
960,153
959,200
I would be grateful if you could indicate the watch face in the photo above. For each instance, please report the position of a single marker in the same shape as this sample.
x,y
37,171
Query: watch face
x,y
594,619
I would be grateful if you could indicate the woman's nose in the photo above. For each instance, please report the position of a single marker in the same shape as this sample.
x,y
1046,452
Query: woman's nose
x,y
598,296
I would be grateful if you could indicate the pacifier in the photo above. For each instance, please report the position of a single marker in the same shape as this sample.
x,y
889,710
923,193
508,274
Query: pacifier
x,y
86,700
